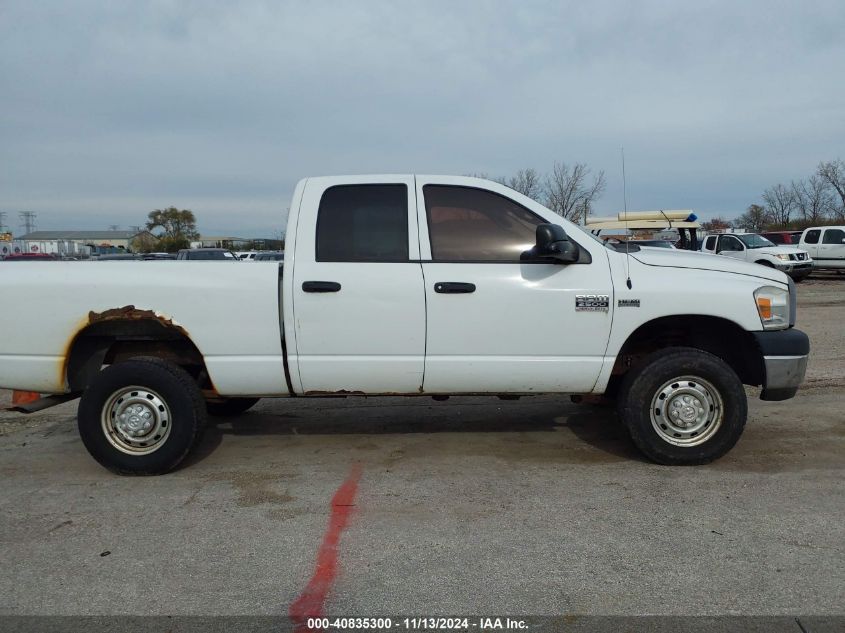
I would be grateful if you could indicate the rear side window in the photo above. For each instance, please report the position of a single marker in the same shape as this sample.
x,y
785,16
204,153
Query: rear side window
x,y
711,243
812,237
363,223
833,236
777,238
467,224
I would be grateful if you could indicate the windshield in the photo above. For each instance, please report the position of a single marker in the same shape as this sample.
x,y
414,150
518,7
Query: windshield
x,y
752,240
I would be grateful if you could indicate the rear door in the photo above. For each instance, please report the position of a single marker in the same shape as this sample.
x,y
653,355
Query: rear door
x,y
832,248
358,297
496,324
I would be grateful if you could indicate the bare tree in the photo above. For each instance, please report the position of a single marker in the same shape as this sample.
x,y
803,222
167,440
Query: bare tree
x,y
780,203
716,224
527,182
833,173
570,193
813,198
755,219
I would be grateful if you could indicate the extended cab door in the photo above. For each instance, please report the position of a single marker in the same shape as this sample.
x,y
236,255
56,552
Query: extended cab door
x,y
358,297
496,324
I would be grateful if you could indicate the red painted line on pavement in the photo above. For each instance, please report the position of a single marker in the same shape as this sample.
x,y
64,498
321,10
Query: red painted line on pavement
x,y
311,601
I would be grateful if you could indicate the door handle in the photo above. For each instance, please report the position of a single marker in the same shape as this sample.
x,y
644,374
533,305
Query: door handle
x,y
320,286
453,287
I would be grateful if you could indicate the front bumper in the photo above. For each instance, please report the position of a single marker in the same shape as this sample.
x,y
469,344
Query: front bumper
x,y
796,269
785,354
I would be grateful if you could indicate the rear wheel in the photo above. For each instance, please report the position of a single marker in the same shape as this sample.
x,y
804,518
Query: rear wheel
x,y
142,416
228,407
683,406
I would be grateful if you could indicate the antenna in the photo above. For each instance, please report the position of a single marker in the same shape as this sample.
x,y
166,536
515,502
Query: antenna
x,y
627,232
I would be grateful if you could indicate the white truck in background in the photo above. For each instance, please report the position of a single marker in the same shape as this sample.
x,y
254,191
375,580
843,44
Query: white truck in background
x,y
751,247
826,245
411,285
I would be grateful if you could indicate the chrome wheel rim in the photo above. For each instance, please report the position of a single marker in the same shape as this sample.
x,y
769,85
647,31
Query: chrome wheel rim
x,y
686,411
136,420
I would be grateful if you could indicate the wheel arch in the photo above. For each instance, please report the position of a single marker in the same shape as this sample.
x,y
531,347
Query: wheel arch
x,y
122,333
716,335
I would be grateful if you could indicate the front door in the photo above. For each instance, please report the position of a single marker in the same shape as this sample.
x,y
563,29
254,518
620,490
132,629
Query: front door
x,y
496,324
732,247
358,295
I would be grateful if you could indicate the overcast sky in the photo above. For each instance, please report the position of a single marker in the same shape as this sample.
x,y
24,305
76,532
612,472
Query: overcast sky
x,y
111,109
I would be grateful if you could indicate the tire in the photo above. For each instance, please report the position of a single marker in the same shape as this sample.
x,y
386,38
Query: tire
x,y
683,406
229,407
164,416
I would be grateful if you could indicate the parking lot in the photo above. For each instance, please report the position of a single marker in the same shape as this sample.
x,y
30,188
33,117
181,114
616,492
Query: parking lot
x,y
471,506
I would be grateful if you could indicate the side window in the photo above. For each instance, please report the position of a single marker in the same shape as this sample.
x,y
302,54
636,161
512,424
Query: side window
x,y
467,224
711,243
363,223
728,243
833,236
812,237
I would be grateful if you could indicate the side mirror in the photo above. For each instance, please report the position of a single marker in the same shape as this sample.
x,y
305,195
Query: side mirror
x,y
552,243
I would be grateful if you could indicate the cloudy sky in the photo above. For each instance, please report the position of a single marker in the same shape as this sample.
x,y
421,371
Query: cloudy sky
x,y
111,109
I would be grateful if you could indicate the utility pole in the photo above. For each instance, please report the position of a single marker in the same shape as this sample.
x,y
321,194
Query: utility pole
x,y
27,221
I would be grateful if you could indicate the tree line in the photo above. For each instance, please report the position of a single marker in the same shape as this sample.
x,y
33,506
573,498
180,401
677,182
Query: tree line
x,y
817,199
568,190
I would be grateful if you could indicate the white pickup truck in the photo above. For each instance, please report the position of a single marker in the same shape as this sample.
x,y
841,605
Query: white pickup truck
x,y
751,247
411,285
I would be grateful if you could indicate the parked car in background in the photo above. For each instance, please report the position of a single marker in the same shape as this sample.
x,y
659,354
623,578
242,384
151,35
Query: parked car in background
x,y
270,256
783,237
158,256
127,257
30,257
826,244
206,254
751,247
654,243
246,256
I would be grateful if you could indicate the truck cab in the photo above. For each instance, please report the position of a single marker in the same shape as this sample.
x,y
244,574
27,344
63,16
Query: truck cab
x,y
826,244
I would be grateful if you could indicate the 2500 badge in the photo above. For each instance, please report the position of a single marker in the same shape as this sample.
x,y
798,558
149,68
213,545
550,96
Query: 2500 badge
x,y
592,303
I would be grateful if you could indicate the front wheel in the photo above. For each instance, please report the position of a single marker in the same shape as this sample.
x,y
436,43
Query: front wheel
x,y
141,417
683,406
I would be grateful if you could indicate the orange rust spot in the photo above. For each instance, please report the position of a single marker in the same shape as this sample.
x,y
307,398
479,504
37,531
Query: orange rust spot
x,y
131,313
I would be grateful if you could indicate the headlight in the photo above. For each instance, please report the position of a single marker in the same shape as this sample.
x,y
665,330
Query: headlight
x,y
773,307
782,256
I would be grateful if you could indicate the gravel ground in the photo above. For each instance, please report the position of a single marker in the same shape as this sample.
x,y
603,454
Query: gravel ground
x,y
472,506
